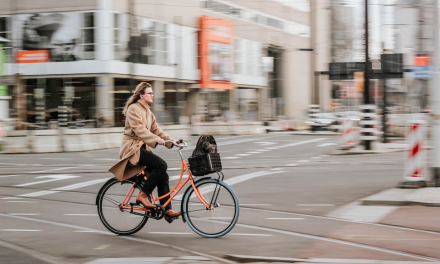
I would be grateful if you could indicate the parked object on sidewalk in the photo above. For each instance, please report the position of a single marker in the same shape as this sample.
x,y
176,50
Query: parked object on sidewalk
x,y
415,165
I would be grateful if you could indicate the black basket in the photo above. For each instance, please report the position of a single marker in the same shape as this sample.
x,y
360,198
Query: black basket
x,y
205,164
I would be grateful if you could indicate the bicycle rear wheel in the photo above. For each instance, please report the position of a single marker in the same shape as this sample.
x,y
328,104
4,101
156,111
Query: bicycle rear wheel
x,y
220,218
117,220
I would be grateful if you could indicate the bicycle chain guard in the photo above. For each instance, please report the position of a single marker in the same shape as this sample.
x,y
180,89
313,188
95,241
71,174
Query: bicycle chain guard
x,y
156,213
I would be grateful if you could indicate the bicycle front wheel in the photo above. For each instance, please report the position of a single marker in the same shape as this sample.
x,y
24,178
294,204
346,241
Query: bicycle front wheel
x,y
222,215
117,220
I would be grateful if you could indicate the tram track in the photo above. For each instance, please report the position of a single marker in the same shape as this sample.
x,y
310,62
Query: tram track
x,y
272,230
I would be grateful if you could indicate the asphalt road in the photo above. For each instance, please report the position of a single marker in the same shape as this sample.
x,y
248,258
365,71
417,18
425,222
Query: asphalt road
x,y
286,185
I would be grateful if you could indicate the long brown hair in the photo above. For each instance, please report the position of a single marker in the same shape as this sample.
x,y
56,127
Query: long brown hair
x,y
140,89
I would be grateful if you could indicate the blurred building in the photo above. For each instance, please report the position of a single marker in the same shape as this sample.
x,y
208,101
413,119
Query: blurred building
x,y
87,56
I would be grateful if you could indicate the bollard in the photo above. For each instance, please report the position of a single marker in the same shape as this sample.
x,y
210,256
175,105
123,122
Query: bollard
x,y
415,165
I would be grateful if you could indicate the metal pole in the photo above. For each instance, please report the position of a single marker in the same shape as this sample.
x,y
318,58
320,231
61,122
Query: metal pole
x,y
384,111
367,75
436,98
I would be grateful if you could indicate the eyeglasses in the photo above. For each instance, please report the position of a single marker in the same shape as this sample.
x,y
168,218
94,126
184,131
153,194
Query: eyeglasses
x,y
150,93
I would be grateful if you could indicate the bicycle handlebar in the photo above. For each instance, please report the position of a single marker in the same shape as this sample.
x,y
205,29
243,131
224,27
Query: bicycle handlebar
x,y
181,142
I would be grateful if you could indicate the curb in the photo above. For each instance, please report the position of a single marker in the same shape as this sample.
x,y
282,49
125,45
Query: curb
x,y
401,197
360,152
251,259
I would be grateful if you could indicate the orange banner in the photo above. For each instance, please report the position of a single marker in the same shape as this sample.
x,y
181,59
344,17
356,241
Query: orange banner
x,y
215,53
32,56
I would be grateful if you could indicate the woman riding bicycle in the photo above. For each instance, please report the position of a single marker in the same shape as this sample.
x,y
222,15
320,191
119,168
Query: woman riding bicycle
x,y
140,134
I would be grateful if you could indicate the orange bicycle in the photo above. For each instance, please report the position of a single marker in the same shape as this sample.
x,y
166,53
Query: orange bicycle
x,y
209,205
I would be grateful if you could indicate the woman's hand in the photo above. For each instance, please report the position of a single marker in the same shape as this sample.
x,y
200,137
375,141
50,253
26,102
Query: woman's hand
x,y
160,141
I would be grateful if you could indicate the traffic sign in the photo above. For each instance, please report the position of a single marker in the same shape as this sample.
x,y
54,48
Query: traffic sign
x,y
422,72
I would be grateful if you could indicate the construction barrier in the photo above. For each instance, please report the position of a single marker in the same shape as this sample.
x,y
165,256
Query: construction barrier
x,y
415,165
347,134
368,123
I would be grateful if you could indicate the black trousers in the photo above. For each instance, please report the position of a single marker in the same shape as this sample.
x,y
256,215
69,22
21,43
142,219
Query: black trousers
x,y
157,168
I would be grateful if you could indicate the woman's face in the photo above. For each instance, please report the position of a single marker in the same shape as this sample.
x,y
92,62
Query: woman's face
x,y
148,95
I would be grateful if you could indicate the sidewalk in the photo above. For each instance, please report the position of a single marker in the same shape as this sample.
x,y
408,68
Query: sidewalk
x,y
404,197
377,148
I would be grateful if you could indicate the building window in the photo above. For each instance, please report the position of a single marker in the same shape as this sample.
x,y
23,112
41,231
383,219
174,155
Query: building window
x,y
117,37
238,56
261,18
159,44
301,5
250,58
5,32
88,36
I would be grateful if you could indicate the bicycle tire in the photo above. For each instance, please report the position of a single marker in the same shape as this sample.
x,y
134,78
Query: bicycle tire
x,y
103,219
189,220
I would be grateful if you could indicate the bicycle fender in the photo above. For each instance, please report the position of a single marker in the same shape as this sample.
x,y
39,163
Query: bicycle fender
x,y
102,187
187,190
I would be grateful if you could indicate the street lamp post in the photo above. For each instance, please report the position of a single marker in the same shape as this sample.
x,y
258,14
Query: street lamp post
x,y
367,109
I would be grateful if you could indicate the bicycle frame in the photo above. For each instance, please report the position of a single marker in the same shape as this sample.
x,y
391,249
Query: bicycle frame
x,y
175,190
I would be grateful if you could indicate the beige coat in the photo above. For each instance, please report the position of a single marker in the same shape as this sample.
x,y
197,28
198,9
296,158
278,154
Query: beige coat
x,y
140,128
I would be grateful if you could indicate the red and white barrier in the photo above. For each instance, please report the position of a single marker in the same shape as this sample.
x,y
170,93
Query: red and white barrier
x,y
347,133
415,165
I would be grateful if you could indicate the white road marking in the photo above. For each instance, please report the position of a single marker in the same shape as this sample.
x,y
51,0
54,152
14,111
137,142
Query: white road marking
x,y
231,158
102,247
218,218
323,155
254,152
233,181
51,177
275,169
35,194
264,150
255,204
23,214
85,231
21,201
303,160
171,233
316,157
12,198
315,205
284,218
265,143
326,144
55,158
6,176
21,230
65,188
65,168
243,234
271,148
82,214
133,239
240,225
236,141
292,165
249,176
303,142
242,155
